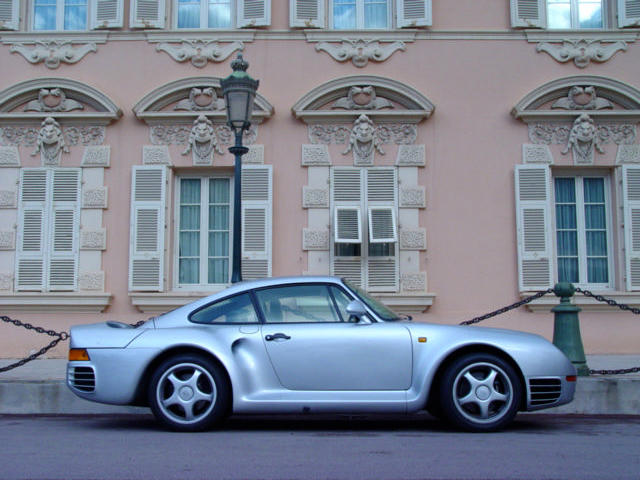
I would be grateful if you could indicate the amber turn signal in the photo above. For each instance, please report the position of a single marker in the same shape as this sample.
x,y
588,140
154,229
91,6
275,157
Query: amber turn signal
x,y
78,355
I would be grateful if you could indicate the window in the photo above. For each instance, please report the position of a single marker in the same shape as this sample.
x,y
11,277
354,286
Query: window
x,y
360,14
204,239
60,14
574,14
298,304
238,309
582,233
221,13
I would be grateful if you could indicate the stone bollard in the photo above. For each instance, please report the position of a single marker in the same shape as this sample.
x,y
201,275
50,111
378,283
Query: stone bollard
x,y
566,328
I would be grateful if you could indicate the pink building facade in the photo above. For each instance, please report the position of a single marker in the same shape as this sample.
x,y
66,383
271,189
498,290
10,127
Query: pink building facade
x,y
450,157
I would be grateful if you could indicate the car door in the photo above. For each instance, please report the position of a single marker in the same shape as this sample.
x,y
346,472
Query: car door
x,y
313,347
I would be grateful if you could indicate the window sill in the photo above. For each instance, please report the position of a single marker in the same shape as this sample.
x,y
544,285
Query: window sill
x,y
587,304
73,302
536,36
407,304
97,37
391,35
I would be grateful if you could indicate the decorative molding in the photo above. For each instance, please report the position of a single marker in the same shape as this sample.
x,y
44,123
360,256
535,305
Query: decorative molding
x,y
6,282
582,98
413,197
362,98
9,156
155,155
413,282
549,133
363,142
64,302
536,154
581,51
201,100
315,197
360,51
91,281
411,156
95,197
315,239
96,156
50,143
8,198
413,239
53,52
178,134
93,239
628,154
255,155
53,100
199,51
28,136
202,141
398,133
7,239
583,140
315,155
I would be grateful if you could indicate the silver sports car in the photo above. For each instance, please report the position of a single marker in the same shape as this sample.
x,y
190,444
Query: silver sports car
x,y
316,345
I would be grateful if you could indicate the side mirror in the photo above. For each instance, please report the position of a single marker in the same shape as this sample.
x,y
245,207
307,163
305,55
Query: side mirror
x,y
356,310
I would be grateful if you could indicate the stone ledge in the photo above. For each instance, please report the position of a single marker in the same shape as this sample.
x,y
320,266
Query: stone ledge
x,y
587,304
72,302
407,304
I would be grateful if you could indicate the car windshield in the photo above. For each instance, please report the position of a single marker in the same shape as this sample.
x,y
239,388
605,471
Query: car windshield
x,y
381,310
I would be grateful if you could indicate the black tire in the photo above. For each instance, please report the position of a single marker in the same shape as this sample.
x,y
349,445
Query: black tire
x,y
480,392
189,393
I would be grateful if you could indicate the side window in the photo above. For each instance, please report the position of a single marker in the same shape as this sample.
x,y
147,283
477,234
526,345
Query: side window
x,y
238,309
342,300
297,304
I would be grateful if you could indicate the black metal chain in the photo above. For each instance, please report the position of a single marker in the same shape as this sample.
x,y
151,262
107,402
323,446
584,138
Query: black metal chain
x,y
502,310
60,337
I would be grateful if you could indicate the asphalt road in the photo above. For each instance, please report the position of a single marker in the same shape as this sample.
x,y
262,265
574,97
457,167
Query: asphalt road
x,y
419,447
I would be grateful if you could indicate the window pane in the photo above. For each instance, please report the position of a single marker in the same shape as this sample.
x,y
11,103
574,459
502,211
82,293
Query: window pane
x,y
44,15
590,14
218,270
189,234
565,190
347,249
218,244
568,270
597,270
238,309
190,217
219,14
344,14
567,243
342,300
218,238
219,190
75,15
559,14
188,13
297,304
189,244
597,244
595,217
375,14
190,191
218,217
188,270
381,249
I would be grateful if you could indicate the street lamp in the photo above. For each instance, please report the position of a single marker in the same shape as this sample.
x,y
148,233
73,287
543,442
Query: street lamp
x,y
239,91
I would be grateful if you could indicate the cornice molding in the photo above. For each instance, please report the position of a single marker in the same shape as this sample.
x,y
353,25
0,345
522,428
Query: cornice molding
x,y
72,302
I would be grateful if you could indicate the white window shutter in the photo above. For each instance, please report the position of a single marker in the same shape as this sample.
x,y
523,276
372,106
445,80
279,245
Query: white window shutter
x,y
382,225
348,225
413,13
349,268
146,247
631,208
628,13
534,230
106,14
528,13
254,13
306,13
257,188
9,14
382,274
30,252
147,14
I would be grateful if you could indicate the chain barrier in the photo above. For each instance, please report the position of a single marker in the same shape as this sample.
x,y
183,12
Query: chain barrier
x,y
502,310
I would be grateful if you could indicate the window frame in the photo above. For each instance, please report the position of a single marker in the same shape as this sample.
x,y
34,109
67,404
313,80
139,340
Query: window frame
x,y
60,6
360,17
233,7
605,7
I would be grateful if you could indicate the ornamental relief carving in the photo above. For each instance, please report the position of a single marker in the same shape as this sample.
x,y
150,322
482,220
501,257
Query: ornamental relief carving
x,y
412,197
8,198
583,139
582,51
92,281
413,239
93,239
53,52
536,154
50,142
7,240
362,98
411,156
315,239
201,99
179,134
9,156
28,136
359,51
202,141
628,154
363,141
52,100
558,133
96,156
315,197
315,155
94,198
386,133
198,51
6,281
413,282
582,98
155,155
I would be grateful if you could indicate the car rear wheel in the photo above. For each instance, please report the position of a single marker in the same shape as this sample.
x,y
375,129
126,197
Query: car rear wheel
x,y
480,392
189,393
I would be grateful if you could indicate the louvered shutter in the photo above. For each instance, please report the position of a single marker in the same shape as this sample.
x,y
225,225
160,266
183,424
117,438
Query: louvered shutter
x,y
534,229
628,13
30,254
64,225
348,226
413,13
631,208
254,13
528,13
9,14
146,254
256,221
382,225
106,14
306,13
147,14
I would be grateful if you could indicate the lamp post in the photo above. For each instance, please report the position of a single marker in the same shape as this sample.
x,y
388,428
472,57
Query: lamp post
x,y
239,91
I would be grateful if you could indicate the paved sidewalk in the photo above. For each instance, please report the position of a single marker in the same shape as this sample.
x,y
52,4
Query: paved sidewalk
x,y
39,388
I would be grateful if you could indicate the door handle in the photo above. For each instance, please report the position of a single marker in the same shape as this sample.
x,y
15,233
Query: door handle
x,y
277,336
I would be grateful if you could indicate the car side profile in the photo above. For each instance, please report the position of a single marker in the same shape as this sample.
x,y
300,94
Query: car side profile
x,y
313,345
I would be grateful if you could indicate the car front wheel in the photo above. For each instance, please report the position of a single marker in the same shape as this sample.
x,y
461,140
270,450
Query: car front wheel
x,y
189,393
480,392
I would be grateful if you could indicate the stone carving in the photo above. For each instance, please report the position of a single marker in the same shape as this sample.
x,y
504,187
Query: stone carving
x,y
413,197
558,133
8,199
360,51
411,156
9,157
6,281
28,136
202,141
583,138
96,156
398,133
315,239
362,98
536,154
7,240
582,51
580,98
50,143
315,197
315,155
85,135
155,155
413,239
52,100
94,239
199,52
413,282
201,99
93,281
628,154
94,197
255,155
179,135
363,141
53,52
